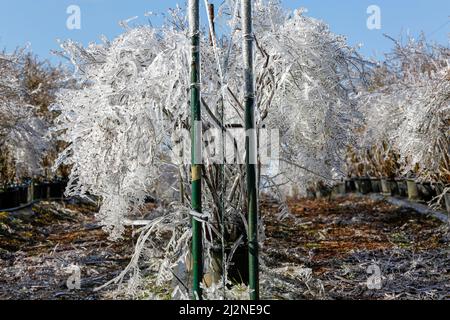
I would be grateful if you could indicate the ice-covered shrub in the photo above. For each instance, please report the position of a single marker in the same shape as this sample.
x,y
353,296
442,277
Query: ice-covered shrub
x,y
26,90
408,108
124,124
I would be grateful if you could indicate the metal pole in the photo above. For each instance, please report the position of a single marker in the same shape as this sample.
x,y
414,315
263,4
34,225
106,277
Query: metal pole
x,y
211,14
219,112
251,150
196,168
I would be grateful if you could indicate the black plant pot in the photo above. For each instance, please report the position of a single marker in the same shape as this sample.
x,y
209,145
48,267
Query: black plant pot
x,y
350,186
237,269
23,194
394,188
402,188
56,189
11,198
46,190
376,185
38,192
425,191
363,185
2,196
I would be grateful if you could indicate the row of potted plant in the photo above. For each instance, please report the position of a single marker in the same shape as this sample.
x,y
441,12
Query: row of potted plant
x,y
14,195
410,188
377,170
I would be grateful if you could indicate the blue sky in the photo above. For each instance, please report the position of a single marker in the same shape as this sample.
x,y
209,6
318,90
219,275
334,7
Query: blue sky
x,y
41,22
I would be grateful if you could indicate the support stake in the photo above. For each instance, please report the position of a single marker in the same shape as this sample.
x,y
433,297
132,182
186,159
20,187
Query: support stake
x,y
251,150
196,147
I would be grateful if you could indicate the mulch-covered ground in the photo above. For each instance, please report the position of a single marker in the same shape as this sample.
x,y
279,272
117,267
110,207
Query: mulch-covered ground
x,y
346,248
357,248
44,247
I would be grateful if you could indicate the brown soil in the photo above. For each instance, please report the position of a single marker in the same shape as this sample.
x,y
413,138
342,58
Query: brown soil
x,y
339,239
38,246
336,239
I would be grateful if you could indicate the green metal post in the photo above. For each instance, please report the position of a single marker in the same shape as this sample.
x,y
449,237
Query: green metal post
x,y
251,150
196,147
